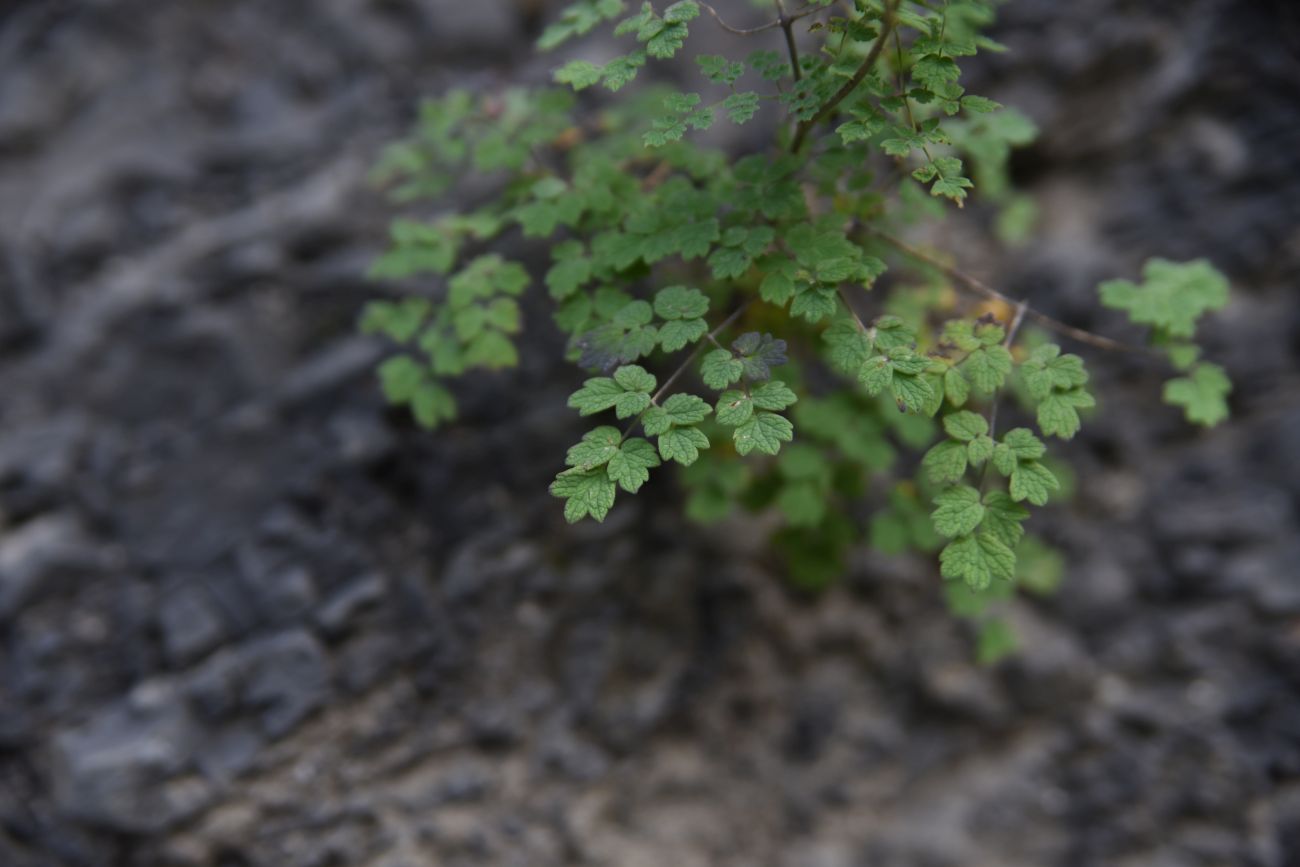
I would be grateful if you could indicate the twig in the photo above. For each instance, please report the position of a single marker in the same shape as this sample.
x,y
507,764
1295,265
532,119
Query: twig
x,y
711,337
787,26
699,347
886,27
783,21
980,288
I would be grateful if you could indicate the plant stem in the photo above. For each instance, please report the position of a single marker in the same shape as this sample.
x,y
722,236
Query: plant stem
x,y
783,21
886,27
787,26
711,337
977,286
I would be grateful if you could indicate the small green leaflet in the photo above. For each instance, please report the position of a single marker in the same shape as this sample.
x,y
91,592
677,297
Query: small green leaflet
x,y
628,393
596,448
741,107
630,466
1203,394
945,463
585,492
400,320
626,337
977,560
764,432
987,367
734,408
759,353
1058,413
1003,517
686,409
965,426
570,270
1046,370
1032,481
720,369
1171,297
682,444
681,308
578,74
958,511
719,70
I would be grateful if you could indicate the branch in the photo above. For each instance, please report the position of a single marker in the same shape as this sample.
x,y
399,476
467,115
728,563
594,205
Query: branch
x,y
886,27
711,337
787,25
699,347
980,288
783,21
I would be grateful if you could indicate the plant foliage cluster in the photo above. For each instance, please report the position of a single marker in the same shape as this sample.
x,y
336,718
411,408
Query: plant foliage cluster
x,y
756,318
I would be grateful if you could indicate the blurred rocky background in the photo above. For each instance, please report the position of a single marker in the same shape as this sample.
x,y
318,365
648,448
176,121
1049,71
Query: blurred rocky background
x,y
250,618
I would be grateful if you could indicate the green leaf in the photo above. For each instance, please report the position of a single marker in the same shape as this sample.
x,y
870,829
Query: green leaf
x,y
585,492
945,463
682,444
1202,394
720,369
734,408
759,354
596,395
814,303
958,511
912,392
741,107
675,334
1046,370
681,11
400,320
578,74
1022,443
773,395
996,641
596,448
570,270
630,466
719,70
1171,297
1003,517
686,409
987,368
778,285
980,449
633,377
977,560
965,425
847,347
432,404
955,386
619,71
491,350
1032,481
802,503
1058,413
876,375
764,432
679,302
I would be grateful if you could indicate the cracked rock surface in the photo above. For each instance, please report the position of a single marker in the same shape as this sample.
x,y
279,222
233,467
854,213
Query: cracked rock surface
x,y
251,618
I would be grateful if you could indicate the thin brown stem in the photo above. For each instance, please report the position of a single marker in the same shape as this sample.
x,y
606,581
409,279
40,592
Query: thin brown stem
x,y
873,54
711,337
783,21
972,284
787,27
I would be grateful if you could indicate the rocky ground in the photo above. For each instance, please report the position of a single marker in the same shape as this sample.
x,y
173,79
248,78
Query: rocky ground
x,y
248,617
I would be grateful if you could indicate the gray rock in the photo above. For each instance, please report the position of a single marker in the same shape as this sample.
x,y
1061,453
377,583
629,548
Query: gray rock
x,y
39,552
281,679
191,624
117,770
338,611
